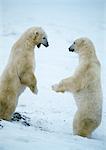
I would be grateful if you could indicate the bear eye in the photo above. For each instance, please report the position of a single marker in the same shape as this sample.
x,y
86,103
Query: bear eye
x,y
44,38
74,42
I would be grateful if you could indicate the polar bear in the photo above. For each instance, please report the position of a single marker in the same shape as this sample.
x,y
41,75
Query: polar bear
x,y
19,72
85,85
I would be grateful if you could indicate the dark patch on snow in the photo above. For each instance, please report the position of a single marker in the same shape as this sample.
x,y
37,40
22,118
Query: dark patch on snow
x,y
17,117
1,126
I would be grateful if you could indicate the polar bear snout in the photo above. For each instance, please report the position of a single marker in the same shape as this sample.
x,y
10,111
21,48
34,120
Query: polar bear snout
x,y
45,42
71,49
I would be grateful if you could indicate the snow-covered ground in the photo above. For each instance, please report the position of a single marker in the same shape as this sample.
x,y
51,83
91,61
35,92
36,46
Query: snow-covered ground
x,y
51,114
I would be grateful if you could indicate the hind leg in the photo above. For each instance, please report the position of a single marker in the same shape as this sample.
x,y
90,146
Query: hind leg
x,y
83,126
75,123
7,109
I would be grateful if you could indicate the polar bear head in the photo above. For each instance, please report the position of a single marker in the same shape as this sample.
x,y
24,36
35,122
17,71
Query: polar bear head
x,y
82,45
36,36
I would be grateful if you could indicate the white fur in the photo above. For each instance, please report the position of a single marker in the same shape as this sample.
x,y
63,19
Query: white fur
x,y
19,72
85,84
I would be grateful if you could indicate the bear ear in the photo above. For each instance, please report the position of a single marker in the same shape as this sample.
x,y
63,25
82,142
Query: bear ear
x,y
35,35
82,42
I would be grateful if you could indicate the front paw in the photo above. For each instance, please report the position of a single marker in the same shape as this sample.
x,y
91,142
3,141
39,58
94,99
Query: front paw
x,y
55,88
34,89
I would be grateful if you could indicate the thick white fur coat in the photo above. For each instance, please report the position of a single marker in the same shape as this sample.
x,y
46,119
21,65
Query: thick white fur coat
x,y
85,85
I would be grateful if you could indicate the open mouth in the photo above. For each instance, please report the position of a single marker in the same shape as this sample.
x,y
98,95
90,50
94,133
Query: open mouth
x,y
39,45
46,45
71,50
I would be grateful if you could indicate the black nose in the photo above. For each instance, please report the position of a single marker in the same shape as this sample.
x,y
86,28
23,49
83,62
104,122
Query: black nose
x,y
71,49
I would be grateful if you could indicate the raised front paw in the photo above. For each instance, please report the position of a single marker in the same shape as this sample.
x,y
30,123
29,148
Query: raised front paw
x,y
57,88
34,89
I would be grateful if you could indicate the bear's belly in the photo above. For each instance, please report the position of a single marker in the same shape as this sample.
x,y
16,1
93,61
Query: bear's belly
x,y
88,98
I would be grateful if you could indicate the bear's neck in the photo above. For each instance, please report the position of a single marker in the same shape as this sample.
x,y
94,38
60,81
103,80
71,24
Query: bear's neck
x,y
88,56
25,42
29,44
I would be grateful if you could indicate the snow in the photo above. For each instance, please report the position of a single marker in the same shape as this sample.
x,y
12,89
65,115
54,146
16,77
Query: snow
x,y
51,114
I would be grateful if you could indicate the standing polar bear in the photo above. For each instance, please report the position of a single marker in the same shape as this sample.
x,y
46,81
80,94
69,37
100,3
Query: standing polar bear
x,y
85,84
19,72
